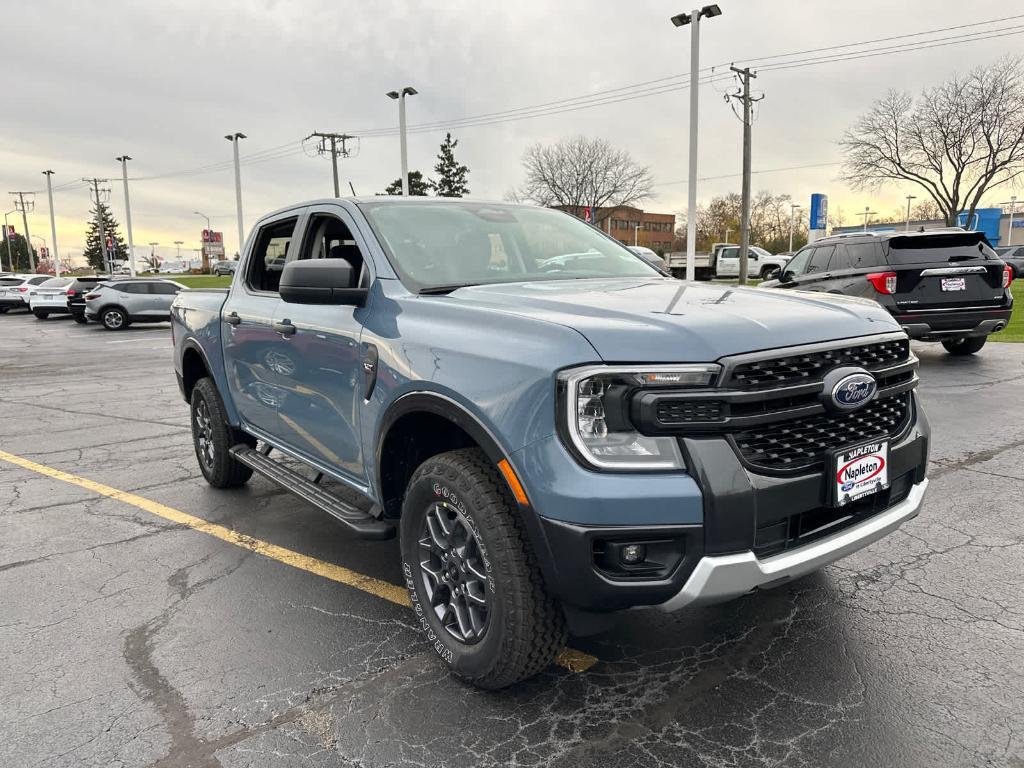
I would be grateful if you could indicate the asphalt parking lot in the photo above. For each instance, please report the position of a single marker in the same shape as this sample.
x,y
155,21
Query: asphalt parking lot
x,y
148,619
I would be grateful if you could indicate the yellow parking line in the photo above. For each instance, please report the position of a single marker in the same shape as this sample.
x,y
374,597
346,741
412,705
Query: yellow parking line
x,y
571,659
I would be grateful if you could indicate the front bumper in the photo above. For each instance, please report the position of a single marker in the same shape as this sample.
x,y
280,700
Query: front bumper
x,y
723,577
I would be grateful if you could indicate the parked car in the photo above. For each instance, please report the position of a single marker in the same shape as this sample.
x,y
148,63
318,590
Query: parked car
x,y
724,262
650,256
14,291
119,303
555,429
50,297
77,292
941,285
1013,256
225,267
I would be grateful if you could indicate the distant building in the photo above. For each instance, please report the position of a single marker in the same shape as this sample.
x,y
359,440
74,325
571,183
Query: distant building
x,y
631,225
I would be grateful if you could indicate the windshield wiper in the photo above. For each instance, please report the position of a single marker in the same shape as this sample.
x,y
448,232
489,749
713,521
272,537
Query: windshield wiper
x,y
440,290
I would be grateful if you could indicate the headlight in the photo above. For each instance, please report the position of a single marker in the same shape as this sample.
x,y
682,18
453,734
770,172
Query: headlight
x,y
595,413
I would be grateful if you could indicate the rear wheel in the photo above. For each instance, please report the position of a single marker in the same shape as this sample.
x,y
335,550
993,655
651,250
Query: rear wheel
x,y
965,346
80,319
213,437
40,315
114,319
4,310
472,576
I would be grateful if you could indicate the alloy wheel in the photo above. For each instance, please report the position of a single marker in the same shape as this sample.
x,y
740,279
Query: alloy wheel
x,y
454,574
203,425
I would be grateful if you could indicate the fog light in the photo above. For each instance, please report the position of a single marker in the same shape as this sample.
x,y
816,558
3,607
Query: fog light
x,y
631,554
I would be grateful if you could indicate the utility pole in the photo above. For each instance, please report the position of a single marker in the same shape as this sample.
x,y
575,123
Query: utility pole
x,y
25,206
909,198
745,76
233,138
867,213
7,239
97,193
329,145
127,213
53,224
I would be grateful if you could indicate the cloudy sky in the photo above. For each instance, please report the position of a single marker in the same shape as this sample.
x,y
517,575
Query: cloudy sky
x,y
163,82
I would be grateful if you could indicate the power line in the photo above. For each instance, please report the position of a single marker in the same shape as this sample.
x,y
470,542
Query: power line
x,y
734,175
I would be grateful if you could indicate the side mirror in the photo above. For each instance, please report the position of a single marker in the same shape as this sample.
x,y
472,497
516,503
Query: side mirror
x,y
786,276
320,281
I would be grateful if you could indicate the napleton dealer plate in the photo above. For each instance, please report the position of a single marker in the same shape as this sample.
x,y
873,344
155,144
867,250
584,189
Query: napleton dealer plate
x,y
860,471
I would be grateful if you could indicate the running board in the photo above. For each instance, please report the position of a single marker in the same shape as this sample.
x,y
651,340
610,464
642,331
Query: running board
x,y
355,519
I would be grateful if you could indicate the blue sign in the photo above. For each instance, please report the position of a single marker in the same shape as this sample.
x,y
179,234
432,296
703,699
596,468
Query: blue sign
x,y
819,211
1018,223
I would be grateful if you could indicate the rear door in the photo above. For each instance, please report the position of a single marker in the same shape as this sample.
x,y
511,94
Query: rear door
x,y
256,357
945,271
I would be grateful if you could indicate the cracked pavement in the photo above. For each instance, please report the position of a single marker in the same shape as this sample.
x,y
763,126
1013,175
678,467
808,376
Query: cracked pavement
x,y
126,640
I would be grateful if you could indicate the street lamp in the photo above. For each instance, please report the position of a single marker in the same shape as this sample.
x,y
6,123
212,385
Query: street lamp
x,y
909,198
400,95
233,138
7,238
178,244
867,214
1012,202
680,20
123,160
793,208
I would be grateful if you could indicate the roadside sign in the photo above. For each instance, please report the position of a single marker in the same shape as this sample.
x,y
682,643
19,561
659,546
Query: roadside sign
x,y
819,211
213,242
587,215
44,252
10,232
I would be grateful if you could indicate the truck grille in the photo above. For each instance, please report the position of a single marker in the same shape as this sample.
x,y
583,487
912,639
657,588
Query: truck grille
x,y
801,368
806,441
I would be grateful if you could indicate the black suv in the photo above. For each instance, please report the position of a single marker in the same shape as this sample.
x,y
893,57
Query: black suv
x,y
76,296
942,285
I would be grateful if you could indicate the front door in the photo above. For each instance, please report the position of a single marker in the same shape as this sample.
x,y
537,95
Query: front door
x,y
256,357
320,415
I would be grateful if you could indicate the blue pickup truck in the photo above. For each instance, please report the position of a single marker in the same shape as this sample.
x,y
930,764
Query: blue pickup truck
x,y
555,429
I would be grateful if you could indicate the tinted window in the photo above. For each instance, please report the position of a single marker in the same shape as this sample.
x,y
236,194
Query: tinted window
x,y
135,288
164,289
820,259
55,282
268,255
796,265
863,255
38,280
11,280
938,248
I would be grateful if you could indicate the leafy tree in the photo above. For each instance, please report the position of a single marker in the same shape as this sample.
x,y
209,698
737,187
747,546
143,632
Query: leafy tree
x,y
19,253
958,141
93,251
581,172
451,180
719,220
418,186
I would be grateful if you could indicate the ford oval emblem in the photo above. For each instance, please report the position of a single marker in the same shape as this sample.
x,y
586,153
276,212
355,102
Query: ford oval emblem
x,y
854,391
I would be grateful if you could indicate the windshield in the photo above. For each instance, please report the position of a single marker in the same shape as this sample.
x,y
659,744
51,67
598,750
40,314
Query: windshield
x,y
437,245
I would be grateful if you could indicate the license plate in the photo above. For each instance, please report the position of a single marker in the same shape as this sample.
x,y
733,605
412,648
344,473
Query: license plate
x,y
954,283
860,471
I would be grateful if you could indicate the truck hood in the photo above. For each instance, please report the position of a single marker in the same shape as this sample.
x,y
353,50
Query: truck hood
x,y
664,320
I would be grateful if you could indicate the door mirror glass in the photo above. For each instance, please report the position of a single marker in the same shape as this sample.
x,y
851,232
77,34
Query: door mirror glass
x,y
321,281
786,276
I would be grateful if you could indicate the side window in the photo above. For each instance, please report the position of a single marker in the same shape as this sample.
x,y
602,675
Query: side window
x,y
798,263
819,261
328,237
730,253
865,255
135,288
840,259
268,256
164,289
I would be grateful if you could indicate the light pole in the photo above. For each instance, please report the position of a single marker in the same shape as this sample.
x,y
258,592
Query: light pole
x,y
6,237
1012,202
123,159
400,95
53,223
867,213
793,208
233,138
909,198
680,20
178,244
152,256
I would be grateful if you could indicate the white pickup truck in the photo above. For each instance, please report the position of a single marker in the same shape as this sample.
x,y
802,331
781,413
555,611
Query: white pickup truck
x,y
724,261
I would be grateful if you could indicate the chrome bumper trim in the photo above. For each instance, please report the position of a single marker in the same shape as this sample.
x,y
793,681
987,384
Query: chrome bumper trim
x,y
723,577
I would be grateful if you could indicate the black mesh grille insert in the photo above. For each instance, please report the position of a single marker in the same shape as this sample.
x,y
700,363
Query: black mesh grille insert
x,y
802,442
689,411
811,366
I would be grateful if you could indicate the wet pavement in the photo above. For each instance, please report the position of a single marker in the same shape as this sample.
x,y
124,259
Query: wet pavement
x,y
129,640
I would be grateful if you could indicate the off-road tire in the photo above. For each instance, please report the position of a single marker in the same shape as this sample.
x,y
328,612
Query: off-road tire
x,y
965,346
109,318
40,315
219,467
525,625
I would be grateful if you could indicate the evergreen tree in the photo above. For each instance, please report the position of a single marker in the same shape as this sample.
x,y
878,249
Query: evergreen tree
x,y
417,185
93,250
19,253
451,175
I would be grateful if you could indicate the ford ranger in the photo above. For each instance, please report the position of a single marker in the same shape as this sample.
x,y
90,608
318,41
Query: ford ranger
x,y
554,429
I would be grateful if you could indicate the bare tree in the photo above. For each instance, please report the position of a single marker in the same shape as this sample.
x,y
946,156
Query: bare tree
x,y
582,172
958,141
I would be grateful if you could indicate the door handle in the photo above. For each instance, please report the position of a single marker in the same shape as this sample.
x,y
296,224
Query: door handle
x,y
232,319
285,328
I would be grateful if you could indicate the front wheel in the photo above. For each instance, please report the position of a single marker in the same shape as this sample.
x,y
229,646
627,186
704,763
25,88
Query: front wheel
x,y
769,273
213,438
472,576
965,346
